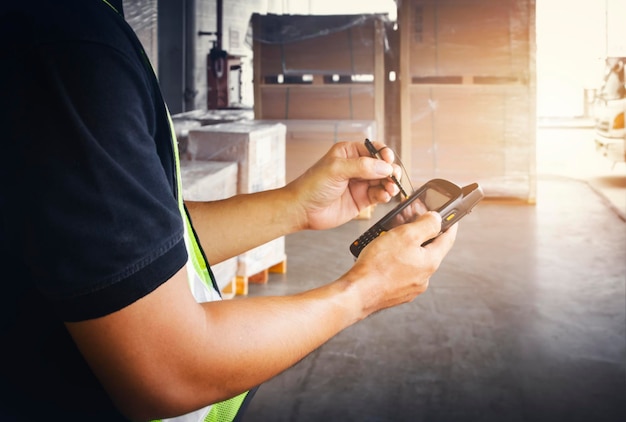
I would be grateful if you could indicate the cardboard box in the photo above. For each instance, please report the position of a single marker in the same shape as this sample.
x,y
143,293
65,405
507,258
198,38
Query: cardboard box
x,y
297,75
258,149
308,140
467,107
300,43
208,180
183,122
472,134
211,181
476,37
351,102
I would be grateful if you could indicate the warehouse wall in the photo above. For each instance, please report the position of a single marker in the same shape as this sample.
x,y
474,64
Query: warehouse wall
x,y
202,17
142,17
235,26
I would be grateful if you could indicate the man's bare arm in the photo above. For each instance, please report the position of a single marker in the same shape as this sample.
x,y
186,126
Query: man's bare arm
x,y
166,355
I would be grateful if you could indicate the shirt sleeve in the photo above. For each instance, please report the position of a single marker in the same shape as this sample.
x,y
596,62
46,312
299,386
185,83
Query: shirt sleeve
x,y
94,208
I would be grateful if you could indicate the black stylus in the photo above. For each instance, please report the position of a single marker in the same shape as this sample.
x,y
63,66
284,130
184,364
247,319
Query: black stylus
x,y
376,154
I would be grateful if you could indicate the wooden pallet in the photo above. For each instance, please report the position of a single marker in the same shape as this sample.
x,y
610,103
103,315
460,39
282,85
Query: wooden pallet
x,y
230,290
239,285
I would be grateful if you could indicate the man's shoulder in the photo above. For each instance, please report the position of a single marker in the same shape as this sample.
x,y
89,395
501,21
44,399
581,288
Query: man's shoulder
x,y
37,22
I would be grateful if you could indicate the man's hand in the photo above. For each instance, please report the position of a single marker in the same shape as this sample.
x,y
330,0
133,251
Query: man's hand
x,y
342,183
395,268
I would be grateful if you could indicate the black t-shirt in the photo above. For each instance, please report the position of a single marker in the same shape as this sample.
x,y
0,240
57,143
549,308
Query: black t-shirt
x,y
89,216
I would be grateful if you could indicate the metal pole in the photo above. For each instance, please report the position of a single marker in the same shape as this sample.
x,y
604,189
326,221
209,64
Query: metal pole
x,y
189,52
220,24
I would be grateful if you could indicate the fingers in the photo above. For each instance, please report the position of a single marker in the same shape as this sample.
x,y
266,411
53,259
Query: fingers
x,y
384,151
397,265
353,160
412,235
387,154
429,229
429,226
381,193
443,243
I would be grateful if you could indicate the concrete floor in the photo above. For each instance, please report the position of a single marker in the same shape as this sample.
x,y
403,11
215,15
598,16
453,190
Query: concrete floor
x,y
524,321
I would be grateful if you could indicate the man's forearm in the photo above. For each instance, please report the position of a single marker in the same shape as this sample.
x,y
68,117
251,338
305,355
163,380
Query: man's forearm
x,y
168,363
259,218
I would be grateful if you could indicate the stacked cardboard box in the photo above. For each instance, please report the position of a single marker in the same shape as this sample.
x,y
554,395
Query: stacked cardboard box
x,y
258,148
468,93
211,181
183,122
208,180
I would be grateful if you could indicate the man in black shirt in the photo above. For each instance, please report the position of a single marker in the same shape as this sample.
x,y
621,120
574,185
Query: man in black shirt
x,y
97,320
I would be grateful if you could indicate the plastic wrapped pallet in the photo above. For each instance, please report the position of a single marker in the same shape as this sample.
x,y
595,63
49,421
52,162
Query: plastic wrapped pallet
x,y
469,99
259,149
261,258
298,77
211,181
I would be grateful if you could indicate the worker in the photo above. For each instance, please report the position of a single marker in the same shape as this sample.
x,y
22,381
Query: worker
x,y
109,310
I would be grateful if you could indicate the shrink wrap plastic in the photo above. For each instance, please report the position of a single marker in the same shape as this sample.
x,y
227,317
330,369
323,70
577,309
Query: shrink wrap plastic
x,y
258,148
471,93
210,181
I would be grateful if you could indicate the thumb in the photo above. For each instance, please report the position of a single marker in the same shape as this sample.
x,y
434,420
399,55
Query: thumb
x,y
428,226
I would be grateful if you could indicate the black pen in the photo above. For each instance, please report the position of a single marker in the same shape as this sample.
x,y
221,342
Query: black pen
x,y
376,154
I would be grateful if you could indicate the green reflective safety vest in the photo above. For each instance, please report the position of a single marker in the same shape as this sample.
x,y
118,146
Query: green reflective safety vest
x,y
201,283
204,289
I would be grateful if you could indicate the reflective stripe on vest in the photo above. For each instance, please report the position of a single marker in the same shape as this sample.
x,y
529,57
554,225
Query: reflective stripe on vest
x,y
200,283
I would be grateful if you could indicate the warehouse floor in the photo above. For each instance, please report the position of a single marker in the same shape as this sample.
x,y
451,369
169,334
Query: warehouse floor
x,y
524,321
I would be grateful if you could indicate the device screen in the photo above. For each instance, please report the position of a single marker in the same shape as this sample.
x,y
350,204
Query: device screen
x,y
435,199
428,199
